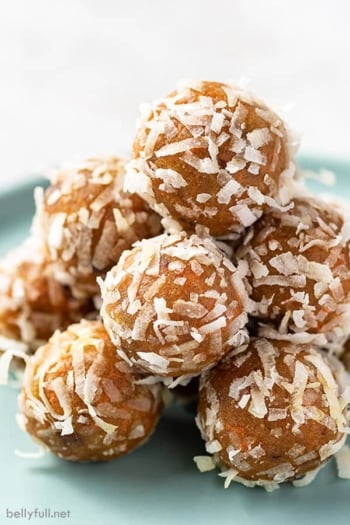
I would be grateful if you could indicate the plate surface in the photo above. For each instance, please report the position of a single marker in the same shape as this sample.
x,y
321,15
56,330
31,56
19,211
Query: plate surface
x,y
158,483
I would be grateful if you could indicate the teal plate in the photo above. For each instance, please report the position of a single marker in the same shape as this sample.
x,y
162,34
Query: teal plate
x,y
159,482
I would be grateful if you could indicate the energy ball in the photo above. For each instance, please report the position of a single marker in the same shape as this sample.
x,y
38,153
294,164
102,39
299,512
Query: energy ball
x,y
174,305
32,303
86,220
83,402
298,269
211,154
271,413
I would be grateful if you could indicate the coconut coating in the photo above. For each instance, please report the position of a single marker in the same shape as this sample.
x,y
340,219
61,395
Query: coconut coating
x,y
271,412
174,305
82,401
211,154
32,303
86,220
298,268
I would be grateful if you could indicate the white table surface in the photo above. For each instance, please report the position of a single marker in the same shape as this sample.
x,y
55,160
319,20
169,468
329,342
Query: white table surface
x,y
73,72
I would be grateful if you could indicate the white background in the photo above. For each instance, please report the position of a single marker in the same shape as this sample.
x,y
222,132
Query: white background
x,y
73,72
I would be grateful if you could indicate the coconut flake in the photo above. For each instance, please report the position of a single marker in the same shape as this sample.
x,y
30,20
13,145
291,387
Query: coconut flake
x,y
56,231
13,349
259,137
231,188
215,325
171,177
204,463
276,414
202,198
244,214
254,155
285,263
181,146
342,459
31,455
217,122
213,446
307,479
157,361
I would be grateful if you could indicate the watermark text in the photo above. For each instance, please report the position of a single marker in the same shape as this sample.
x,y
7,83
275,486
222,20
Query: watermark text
x,y
36,513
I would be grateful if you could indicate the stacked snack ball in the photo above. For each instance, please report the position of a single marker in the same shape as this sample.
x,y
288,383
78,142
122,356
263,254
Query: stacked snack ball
x,y
32,303
86,220
211,154
298,269
174,305
212,160
271,413
82,401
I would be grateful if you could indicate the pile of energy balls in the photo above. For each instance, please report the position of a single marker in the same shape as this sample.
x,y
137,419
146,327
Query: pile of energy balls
x,y
204,256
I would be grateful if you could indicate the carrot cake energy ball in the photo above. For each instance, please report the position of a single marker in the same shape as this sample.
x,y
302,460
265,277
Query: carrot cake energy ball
x,y
298,269
174,305
271,413
82,401
211,154
86,220
32,303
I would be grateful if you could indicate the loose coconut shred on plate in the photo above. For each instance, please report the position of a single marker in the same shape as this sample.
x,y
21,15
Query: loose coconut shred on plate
x,y
201,260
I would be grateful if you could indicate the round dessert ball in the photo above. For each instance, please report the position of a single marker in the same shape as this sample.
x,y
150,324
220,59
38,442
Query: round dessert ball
x,y
86,220
211,154
82,401
174,305
298,269
271,412
32,303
